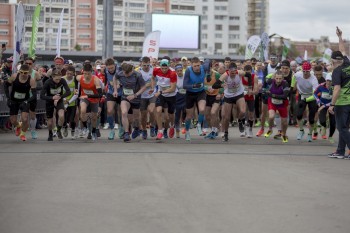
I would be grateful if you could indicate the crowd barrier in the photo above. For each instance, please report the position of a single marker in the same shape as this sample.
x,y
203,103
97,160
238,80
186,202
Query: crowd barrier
x,y
5,111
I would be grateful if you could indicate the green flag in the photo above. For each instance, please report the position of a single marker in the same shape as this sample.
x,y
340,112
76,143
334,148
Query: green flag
x,y
286,47
32,46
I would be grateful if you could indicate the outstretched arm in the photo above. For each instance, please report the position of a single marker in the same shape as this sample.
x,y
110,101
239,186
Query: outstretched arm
x,y
341,42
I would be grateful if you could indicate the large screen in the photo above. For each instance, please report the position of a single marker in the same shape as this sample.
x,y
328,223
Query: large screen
x,y
177,31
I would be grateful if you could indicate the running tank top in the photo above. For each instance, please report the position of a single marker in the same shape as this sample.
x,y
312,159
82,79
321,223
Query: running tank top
x,y
20,91
210,84
234,86
89,88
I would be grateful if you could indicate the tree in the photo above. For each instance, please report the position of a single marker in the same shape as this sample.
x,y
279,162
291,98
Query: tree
x,y
77,47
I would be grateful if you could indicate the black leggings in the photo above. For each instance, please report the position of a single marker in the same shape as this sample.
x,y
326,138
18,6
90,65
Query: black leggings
x,y
70,116
312,110
323,120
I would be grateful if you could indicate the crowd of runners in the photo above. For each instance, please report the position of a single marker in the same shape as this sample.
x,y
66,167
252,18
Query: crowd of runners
x,y
165,98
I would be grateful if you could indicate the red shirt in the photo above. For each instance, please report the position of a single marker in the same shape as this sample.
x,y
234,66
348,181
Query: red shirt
x,y
89,88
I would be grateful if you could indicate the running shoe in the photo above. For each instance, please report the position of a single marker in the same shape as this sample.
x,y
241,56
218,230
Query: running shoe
x,y
266,124
225,138
165,133
50,138
34,134
111,135
72,134
89,136
242,134
300,134
126,137
121,133
18,131
331,140
268,133
159,136
152,132
258,124
83,132
241,127
106,126
199,129
250,133
94,136
278,135
333,155
54,132
187,136
59,134
323,131
260,132
324,137
314,136
309,138
98,133
144,134
65,132
135,133
284,139
116,126
208,136
171,132
183,131
22,136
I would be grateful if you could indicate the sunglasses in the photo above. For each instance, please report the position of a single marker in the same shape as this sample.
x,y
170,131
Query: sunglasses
x,y
24,72
29,63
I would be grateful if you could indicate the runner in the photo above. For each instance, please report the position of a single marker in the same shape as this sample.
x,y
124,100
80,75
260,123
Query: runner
x,y
90,94
20,99
53,93
180,109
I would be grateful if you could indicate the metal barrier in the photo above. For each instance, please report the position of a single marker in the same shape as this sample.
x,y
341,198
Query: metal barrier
x,y
5,111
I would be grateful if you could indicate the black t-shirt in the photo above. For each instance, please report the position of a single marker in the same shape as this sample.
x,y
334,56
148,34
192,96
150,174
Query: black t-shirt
x,y
341,76
51,88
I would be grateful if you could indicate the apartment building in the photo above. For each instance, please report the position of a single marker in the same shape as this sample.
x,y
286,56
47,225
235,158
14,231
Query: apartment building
x,y
258,17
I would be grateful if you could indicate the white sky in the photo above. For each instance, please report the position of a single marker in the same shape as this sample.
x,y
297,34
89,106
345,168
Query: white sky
x,y
306,19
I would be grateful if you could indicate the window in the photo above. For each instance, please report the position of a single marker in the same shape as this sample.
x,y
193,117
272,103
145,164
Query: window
x,y
99,42
233,28
135,25
84,16
218,46
136,15
84,25
99,32
233,46
187,8
40,39
117,23
234,18
220,17
136,5
84,5
205,8
64,42
137,34
218,27
204,26
117,42
4,21
218,35
204,36
161,1
117,33
204,46
117,13
48,20
220,8
84,36
233,36
135,43
204,17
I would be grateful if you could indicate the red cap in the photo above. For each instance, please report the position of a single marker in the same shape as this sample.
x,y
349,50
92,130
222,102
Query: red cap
x,y
306,66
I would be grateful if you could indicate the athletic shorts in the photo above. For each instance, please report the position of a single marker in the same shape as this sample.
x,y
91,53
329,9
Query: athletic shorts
x,y
50,107
110,97
32,105
233,100
282,109
167,102
211,99
146,102
92,107
132,106
194,97
16,106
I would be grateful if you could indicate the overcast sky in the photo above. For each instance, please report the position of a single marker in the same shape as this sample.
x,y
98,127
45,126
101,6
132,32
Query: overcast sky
x,y
305,19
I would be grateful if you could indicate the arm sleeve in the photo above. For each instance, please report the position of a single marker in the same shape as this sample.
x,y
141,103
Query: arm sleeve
x,y
98,95
43,92
6,89
34,96
217,84
187,84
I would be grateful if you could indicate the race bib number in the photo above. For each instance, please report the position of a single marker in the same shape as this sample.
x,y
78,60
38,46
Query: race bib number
x,y
232,90
182,91
165,88
127,91
55,91
276,101
71,89
88,92
19,96
199,86
326,95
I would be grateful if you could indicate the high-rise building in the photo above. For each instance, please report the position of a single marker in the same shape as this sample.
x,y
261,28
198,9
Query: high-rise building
x,y
258,17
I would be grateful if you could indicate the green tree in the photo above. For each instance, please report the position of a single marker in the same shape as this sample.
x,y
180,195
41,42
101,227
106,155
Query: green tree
x,y
77,47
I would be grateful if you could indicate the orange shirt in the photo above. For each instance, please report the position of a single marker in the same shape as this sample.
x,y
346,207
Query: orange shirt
x,y
89,88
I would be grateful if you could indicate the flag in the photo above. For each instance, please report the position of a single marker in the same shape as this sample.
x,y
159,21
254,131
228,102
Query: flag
x,y
35,24
252,44
151,45
286,47
327,56
305,55
265,40
20,16
59,33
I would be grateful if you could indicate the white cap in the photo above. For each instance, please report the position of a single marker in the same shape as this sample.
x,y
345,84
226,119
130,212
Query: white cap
x,y
201,59
98,67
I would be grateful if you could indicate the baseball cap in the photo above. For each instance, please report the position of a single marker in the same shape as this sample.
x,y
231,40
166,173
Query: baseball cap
x,y
166,57
201,59
10,59
78,67
285,63
178,66
337,55
66,62
306,66
70,62
164,62
184,58
98,67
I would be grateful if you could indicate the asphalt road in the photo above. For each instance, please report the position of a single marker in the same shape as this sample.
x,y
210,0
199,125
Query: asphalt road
x,y
245,185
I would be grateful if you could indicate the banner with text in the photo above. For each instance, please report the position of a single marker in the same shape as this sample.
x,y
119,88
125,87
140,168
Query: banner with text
x,y
35,24
252,44
151,45
59,34
20,17
327,56
265,40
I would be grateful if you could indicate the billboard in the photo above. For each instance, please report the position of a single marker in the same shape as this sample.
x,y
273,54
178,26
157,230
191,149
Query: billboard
x,y
177,31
